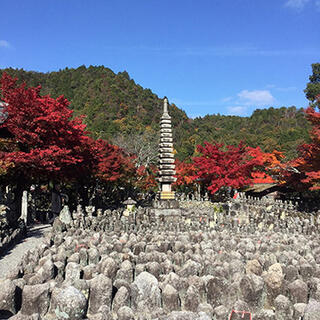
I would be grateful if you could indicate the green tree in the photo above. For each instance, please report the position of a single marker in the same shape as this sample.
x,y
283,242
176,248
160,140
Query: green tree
x,y
313,87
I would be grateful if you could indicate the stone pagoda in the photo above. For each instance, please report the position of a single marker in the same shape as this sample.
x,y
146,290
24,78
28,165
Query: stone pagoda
x,y
166,157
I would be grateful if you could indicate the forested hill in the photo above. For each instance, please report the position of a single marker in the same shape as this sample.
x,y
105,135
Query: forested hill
x,y
282,129
114,104
111,102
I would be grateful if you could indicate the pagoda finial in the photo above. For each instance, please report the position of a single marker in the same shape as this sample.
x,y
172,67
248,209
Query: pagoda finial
x,y
165,107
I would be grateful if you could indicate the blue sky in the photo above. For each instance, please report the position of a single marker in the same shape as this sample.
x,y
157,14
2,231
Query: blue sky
x,y
206,56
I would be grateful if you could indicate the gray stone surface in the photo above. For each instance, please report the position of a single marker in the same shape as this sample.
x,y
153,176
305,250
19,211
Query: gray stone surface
x,y
8,295
221,312
283,307
265,314
145,293
68,303
35,299
100,293
312,310
65,215
170,298
251,287
299,310
178,268
125,313
298,291
121,299
192,299
72,272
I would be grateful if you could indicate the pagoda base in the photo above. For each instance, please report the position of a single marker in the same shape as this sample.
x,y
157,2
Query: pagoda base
x,y
165,204
166,213
165,208
166,195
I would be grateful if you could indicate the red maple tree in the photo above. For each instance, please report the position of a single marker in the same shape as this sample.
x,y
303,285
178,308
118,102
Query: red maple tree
x,y
113,165
307,165
271,167
145,178
52,144
218,167
185,173
261,177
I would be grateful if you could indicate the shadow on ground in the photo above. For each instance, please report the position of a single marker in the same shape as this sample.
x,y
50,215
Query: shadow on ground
x,y
34,231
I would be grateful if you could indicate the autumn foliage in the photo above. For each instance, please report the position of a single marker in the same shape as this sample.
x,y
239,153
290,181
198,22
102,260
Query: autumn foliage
x,y
51,143
48,143
307,165
270,167
145,178
312,151
261,177
113,164
218,167
185,172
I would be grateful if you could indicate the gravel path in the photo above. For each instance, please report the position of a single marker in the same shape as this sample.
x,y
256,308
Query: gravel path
x,y
13,256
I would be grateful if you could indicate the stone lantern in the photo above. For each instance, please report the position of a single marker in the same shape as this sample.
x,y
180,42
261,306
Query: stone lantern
x,y
130,206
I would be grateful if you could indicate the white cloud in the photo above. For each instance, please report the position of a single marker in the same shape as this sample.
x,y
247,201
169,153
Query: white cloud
x,y
300,4
227,99
256,97
286,89
270,86
4,44
296,4
237,110
281,89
